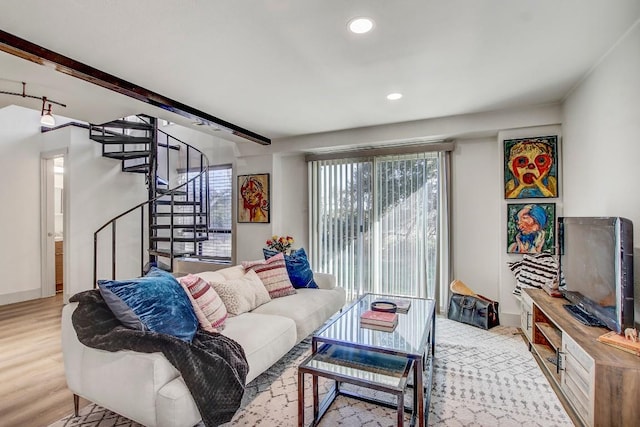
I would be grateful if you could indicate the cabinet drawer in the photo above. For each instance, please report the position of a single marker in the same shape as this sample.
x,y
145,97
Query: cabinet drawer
x,y
574,372
577,400
526,315
578,379
570,347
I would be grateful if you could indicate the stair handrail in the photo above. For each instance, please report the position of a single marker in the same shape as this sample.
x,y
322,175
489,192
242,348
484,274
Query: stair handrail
x,y
171,192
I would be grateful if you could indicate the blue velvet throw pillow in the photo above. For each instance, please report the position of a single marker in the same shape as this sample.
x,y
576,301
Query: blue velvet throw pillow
x,y
155,302
298,267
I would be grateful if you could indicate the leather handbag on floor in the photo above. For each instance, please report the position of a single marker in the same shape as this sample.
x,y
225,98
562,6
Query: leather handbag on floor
x,y
474,310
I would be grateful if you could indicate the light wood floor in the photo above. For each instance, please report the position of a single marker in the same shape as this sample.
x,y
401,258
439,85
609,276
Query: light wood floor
x,y
33,389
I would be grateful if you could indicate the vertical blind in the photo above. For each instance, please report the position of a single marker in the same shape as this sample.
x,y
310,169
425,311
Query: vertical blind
x,y
374,222
341,197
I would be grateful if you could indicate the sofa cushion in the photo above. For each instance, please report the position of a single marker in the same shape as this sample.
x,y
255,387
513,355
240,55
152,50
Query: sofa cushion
x,y
308,308
155,302
242,294
274,275
235,272
298,267
264,339
207,304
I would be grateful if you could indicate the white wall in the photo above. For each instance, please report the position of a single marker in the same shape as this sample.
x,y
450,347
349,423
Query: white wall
x,y
602,142
475,204
291,207
20,198
602,138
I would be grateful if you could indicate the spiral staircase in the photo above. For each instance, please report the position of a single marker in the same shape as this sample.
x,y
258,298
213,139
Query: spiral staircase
x,y
175,219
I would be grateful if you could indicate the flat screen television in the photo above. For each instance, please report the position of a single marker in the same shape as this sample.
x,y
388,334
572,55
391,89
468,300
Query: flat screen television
x,y
596,267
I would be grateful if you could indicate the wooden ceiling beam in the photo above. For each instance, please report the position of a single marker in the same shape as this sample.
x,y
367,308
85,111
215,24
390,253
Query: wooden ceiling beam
x,y
32,52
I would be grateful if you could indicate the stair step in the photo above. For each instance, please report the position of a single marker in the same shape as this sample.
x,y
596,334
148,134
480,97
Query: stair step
x,y
197,227
181,214
180,239
141,168
120,139
126,124
127,155
177,202
167,254
167,192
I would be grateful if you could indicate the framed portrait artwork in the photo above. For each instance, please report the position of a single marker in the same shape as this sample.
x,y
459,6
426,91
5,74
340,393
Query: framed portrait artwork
x,y
531,167
531,228
253,198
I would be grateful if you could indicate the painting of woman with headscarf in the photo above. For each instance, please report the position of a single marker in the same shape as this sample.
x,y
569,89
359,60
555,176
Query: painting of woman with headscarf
x,y
531,228
253,198
530,168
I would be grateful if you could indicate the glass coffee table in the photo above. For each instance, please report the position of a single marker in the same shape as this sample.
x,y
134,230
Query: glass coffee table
x,y
348,353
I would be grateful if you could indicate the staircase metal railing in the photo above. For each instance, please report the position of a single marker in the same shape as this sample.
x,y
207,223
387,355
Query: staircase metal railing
x,y
194,193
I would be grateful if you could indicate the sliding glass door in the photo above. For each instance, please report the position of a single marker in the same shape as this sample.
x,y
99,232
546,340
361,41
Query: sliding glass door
x,y
374,222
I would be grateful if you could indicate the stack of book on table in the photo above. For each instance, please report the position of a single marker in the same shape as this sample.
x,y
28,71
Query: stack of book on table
x,y
379,320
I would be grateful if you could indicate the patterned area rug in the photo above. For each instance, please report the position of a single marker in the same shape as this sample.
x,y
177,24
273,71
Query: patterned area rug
x,y
481,378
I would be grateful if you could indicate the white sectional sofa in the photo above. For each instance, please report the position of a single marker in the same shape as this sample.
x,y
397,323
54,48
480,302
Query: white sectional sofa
x,y
146,388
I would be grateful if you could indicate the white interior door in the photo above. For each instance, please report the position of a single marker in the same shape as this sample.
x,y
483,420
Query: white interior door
x,y
48,255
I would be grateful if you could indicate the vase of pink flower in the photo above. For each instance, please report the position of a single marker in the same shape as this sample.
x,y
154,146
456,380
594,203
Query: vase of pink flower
x,y
280,243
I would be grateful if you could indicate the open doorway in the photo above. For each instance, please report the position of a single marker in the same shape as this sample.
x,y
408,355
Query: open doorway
x,y
53,242
58,212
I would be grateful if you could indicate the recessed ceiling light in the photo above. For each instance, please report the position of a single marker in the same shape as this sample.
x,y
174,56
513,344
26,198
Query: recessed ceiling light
x,y
394,96
360,25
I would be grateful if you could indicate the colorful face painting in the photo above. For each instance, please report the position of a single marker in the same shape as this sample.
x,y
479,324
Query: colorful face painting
x,y
530,228
530,168
253,203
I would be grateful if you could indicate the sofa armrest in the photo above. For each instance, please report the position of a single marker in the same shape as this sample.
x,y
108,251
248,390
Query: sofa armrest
x,y
325,280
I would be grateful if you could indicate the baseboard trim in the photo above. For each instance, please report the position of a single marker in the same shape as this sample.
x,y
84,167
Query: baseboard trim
x,y
20,296
510,319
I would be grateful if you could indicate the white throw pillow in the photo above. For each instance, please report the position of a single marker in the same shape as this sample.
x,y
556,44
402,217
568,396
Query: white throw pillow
x,y
243,294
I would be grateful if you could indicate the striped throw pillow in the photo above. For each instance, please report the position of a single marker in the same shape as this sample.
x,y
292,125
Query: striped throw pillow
x,y
274,275
535,271
208,306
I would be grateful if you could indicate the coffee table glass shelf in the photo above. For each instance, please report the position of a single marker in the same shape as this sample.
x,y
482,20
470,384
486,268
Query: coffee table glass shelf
x,y
345,352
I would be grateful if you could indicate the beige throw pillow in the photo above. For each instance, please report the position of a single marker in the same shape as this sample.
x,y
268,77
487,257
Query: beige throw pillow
x,y
243,294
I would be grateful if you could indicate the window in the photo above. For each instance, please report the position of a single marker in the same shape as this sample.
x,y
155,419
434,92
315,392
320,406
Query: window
x,y
219,244
375,222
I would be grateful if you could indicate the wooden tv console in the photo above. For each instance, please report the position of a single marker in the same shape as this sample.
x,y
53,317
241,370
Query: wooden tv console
x,y
600,383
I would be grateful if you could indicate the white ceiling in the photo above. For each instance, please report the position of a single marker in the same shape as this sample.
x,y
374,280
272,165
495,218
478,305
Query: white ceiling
x,y
290,67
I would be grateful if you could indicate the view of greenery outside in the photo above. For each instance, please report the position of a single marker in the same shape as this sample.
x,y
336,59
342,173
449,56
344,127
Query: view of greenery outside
x,y
379,224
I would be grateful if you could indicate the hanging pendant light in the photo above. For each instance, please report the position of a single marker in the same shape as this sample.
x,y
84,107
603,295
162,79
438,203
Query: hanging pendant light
x,y
47,118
